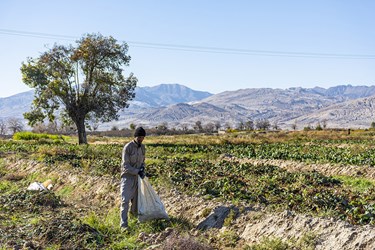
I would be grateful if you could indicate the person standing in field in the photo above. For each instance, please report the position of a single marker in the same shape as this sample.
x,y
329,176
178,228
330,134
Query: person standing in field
x,y
132,165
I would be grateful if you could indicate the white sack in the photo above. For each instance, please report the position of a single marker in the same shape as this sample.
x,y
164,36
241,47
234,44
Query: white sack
x,y
149,204
37,186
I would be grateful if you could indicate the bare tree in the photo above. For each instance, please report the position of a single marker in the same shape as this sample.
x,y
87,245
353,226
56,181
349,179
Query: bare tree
x,y
3,127
52,127
198,126
263,124
324,123
163,126
40,127
68,129
15,125
249,125
275,125
318,126
184,127
217,125
241,125
210,127
294,125
228,125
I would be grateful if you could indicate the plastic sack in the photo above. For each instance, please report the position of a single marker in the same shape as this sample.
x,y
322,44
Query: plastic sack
x,y
36,186
149,204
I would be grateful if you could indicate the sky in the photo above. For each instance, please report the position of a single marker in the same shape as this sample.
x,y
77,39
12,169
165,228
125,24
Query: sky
x,y
206,45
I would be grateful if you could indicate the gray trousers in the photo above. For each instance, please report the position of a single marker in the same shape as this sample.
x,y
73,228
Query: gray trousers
x,y
129,193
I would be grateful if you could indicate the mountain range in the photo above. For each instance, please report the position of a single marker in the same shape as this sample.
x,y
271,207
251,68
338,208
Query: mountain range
x,y
177,106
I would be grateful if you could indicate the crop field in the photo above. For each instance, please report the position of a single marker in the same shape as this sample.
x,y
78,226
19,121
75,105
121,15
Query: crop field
x,y
324,176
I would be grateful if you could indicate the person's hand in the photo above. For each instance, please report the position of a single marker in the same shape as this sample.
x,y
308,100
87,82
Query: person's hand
x,y
142,174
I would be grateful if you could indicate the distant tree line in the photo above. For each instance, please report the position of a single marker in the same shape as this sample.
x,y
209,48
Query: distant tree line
x,y
198,127
10,126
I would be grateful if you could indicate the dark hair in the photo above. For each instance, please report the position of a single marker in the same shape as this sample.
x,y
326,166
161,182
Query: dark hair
x,y
139,132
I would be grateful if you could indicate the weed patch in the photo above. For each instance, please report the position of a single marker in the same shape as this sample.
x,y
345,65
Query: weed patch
x,y
270,243
31,201
358,184
67,229
66,191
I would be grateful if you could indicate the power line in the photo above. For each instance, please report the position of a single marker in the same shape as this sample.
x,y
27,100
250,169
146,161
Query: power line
x,y
200,49
250,52
255,53
36,34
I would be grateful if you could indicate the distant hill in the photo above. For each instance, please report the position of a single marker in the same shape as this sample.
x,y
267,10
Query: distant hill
x,y
166,94
341,106
13,106
350,114
347,91
146,97
282,106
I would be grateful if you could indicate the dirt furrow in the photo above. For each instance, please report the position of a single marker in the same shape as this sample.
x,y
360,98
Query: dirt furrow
x,y
326,169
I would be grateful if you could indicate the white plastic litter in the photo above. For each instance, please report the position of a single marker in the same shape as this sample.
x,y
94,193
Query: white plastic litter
x,y
149,204
37,186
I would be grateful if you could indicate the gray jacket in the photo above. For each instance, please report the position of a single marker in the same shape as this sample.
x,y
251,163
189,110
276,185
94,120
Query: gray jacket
x,y
133,156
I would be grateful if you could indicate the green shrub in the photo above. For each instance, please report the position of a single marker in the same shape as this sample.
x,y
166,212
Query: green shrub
x,y
27,136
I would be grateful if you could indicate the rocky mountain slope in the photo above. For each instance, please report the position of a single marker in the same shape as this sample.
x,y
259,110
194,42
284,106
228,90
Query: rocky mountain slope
x,y
359,112
177,106
14,106
166,94
304,107
146,97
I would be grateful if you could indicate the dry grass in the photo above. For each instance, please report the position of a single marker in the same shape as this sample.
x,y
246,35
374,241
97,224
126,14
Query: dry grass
x,y
176,242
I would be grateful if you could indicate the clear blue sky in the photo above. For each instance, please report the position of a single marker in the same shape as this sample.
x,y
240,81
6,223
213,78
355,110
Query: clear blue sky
x,y
209,45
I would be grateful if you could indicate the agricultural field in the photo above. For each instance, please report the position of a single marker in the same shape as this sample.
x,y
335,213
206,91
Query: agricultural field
x,y
243,190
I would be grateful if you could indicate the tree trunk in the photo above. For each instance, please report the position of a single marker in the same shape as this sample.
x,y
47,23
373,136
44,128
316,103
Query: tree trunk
x,y
82,139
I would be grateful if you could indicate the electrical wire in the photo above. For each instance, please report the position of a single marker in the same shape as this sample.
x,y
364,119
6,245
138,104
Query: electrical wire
x,y
200,49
